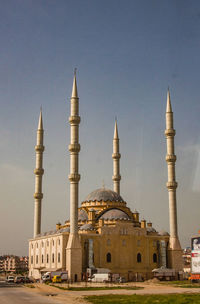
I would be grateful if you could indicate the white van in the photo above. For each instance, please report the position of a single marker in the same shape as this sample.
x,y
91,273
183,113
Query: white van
x,y
100,278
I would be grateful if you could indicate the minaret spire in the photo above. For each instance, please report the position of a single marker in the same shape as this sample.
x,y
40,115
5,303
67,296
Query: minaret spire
x,y
74,258
174,244
39,171
116,163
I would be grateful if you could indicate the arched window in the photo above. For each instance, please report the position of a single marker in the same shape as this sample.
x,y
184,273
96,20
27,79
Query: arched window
x,y
139,258
154,258
36,259
108,242
52,257
108,257
42,258
58,257
47,258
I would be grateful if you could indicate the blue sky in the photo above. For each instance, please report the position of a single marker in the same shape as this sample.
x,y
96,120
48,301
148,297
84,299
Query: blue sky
x,y
127,53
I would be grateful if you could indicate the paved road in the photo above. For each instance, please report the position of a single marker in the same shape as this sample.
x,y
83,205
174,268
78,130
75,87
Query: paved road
x,y
12,294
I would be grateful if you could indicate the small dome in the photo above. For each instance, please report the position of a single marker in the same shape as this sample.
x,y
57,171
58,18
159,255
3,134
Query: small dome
x,y
87,227
67,229
114,214
163,233
151,229
104,195
82,215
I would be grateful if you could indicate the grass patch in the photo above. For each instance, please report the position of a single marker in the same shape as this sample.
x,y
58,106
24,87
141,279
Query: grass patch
x,y
145,299
96,288
183,284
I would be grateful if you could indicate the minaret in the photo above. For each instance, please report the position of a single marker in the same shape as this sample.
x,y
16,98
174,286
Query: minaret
x,y
74,254
174,244
116,165
39,171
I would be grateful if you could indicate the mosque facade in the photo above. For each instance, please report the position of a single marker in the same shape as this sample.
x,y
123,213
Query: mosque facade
x,y
103,233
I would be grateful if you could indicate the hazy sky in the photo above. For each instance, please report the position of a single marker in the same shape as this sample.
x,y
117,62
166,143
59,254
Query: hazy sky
x,y
127,53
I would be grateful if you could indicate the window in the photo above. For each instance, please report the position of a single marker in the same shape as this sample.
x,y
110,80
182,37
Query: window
x,y
31,259
108,242
52,257
48,243
32,246
36,259
47,258
53,242
42,244
123,242
42,258
154,258
108,257
123,231
58,257
139,258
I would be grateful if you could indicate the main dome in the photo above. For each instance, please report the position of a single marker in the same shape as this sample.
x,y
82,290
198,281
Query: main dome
x,y
103,194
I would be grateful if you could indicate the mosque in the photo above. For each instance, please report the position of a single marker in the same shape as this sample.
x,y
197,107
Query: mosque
x,y
103,233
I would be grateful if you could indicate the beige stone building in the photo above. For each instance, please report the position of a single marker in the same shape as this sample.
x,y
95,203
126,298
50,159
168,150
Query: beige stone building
x,y
12,263
104,232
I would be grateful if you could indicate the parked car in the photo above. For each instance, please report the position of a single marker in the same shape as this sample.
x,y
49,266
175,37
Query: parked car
x,y
10,279
19,280
57,279
27,280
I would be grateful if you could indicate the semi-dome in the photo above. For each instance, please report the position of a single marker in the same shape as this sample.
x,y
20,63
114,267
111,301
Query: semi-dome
x,y
82,215
103,194
163,233
87,227
114,214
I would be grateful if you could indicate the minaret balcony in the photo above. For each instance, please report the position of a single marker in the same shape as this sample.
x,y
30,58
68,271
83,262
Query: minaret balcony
x,y
172,185
74,120
38,195
39,171
74,147
116,178
39,148
116,155
170,158
74,177
170,132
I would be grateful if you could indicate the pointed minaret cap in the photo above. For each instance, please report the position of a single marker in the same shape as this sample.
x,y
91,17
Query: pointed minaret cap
x,y
74,88
116,130
40,123
169,107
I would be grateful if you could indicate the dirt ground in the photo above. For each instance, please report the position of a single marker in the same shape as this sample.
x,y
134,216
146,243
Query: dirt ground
x,y
72,297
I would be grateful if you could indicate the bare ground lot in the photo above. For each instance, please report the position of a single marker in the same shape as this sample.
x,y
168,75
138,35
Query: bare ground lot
x,y
72,297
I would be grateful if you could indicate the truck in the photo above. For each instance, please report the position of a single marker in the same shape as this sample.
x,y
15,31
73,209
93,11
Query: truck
x,y
164,274
48,276
195,259
100,278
